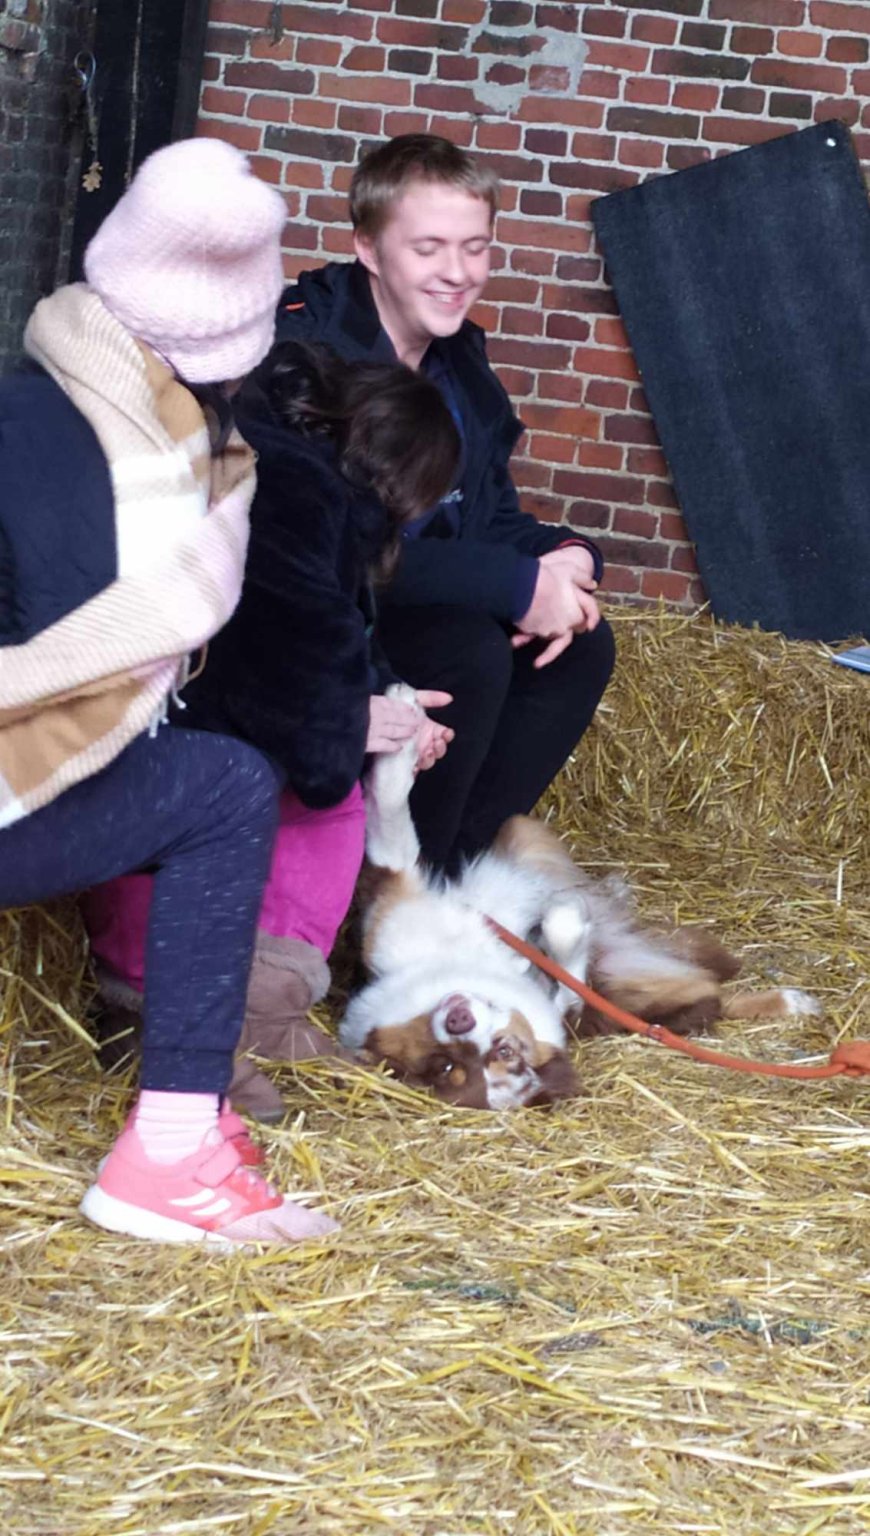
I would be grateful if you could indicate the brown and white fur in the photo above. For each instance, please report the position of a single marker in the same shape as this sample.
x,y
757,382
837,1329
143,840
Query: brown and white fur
x,y
452,1008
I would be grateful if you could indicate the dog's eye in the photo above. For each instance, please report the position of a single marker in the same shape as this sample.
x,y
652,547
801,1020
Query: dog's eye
x,y
445,1068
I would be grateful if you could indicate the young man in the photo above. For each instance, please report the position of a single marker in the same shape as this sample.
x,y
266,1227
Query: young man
x,y
486,602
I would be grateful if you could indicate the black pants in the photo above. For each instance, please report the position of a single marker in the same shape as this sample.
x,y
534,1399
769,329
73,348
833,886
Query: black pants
x,y
515,726
203,809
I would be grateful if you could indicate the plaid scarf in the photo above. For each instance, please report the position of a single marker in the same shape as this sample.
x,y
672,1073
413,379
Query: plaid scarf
x,y
78,693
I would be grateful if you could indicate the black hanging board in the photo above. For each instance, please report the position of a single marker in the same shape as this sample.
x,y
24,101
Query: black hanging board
x,y
744,284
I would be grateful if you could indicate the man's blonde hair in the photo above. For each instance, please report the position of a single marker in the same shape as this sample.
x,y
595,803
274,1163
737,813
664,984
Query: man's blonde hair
x,y
386,172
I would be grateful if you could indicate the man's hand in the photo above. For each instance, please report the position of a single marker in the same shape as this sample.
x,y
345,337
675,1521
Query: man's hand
x,y
563,605
577,558
433,739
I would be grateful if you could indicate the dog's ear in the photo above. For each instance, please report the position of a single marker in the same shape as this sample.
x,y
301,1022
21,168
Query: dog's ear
x,y
558,1079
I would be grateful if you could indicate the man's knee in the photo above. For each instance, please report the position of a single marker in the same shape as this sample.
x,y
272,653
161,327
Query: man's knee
x,y
483,655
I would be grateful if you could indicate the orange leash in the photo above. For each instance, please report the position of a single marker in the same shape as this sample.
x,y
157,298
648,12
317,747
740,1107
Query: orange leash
x,y
852,1059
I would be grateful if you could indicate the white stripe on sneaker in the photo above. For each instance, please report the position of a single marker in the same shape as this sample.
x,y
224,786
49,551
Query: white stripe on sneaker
x,y
193,1202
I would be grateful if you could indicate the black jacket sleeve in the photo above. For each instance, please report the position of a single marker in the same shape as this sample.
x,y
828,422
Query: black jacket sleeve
x,y
291,671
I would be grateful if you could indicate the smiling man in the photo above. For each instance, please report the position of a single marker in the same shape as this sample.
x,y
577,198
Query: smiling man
x,y
486,602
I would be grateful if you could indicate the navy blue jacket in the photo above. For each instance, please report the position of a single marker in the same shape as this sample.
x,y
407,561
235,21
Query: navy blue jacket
x,y
292,671
57,511
482,566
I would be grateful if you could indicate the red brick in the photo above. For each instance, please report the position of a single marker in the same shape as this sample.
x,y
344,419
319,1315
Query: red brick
x,y
684,560
314,114
592,177
800,77
698,98
549,77
660,495
583,301
680,156
269,109
468,11
551,450
563,18
445,98
337,241
654,29
579,114
578,269
743,98
230,103
265,47
611,333
241,134
527,473
647,461
370,59
847,50
790,104
559,237
521,322
422,34
667,585
604,363
267,168
303,173
665,125
517,383
589,514
462,133
578,210
560,386
535,263
211,70
648,93
312,146
365,120
671,526
847,111
840,18
300,236
547,509
641,525
530,354
799,45
293,265
568,328
699,66
700,34
241,13
740,130
596,82
513,290
318,50
612,488
383,91
293,201
505,136
633,58
752,40
451,66
644,153
593,146
547,204
630,429
600,456
606,393
326,210
620,581
625,549
271,77
599,21
404,122
769,13
231,41
306,18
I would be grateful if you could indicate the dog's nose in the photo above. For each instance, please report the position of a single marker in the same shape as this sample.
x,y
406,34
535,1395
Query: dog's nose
x,y
459,1019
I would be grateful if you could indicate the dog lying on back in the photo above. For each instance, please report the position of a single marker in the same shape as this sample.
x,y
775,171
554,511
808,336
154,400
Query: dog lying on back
x,y
452,1008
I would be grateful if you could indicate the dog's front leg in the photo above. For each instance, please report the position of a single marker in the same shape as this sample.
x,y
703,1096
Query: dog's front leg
x,y
567,932
391,839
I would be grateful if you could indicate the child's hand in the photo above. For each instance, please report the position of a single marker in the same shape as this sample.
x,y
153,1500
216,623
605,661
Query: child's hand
x,y
391,723
433,739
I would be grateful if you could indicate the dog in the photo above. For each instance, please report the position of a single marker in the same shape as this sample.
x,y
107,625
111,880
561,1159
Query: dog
x,y
450,1007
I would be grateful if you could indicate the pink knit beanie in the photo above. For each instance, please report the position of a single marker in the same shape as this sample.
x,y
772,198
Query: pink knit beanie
x,y
189,260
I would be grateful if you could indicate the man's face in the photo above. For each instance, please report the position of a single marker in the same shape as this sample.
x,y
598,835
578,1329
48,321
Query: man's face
x,y
428,265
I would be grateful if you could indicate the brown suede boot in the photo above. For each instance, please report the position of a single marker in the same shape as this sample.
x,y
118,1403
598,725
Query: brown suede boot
x,y
287,977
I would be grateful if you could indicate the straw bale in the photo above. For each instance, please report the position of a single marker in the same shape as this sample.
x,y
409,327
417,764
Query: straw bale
x,y
640,1314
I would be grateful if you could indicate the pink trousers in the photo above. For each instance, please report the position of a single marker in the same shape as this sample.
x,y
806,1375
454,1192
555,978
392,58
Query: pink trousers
x,y
315,863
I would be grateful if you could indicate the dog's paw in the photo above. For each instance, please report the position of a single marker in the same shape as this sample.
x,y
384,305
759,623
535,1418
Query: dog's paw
x,y
567,932
404,693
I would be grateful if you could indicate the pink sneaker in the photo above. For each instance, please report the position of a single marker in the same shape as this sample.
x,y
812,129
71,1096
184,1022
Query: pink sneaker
x,y
210,1197
232,1127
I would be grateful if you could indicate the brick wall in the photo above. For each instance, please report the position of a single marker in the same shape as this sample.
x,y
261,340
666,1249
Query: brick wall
x,y
39,149
568,101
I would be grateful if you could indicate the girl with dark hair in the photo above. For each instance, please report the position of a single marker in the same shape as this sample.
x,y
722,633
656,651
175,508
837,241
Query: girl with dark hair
x,y
347,454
